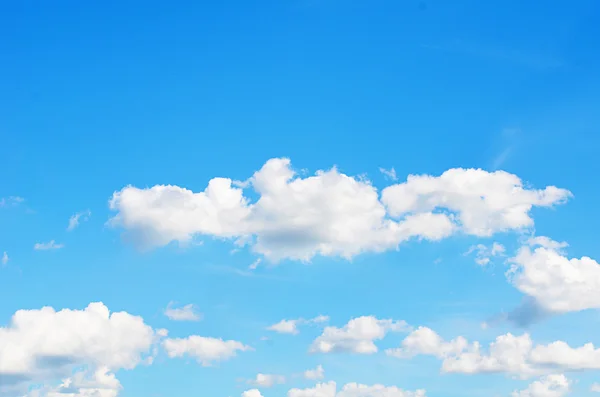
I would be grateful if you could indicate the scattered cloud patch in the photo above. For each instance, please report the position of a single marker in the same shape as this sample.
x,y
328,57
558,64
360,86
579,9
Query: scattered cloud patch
x,y
329,389
267,380
50,245
357,336
5,258
255,264
484,254
184,313
11,201
75,219
548,386
390,174
315,374
205,350
291,326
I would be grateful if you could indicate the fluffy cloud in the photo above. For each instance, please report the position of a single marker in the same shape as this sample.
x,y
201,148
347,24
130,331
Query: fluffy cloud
x,y
484,254
357,336
43,345
315,374
425,341
50,245
516,355
204,349
354,390
75,218
291,326
484,202
329,213
556,283
547,386
267,380
185,313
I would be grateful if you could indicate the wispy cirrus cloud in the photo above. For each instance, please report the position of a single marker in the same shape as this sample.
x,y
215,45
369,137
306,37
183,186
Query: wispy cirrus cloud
x,y
50,245
75,219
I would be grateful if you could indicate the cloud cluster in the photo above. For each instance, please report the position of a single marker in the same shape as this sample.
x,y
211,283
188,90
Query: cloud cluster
x,y
329,389
556,385
45,344
510,354
484,254
50,245
329,213
357,336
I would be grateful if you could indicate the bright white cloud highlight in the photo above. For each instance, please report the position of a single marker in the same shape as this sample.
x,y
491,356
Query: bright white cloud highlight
x,y
99,383
50,245
357,336
185,313
557,283
252,393
205,350
425,341
75,219
547,386
315,374
354,390
291,326
329,213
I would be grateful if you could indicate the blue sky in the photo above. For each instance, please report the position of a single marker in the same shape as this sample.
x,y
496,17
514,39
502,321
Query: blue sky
x,y
102,107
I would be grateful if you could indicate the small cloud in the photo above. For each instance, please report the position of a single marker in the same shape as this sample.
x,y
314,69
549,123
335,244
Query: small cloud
x,y
11,201
485,254
82,216
595,388
51,245
4,258
291,326
390,174
185,313
315,374
267,380
255,264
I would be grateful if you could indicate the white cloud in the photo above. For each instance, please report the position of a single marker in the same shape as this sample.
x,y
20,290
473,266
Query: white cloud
x,y
92,337
484,254
255,264
99,383
320,390
391,173
5,258
357,336
185,313
330,213
510,354
205,350
252,393
547,386
315,374
82,216
484,202
354,390
425,341
595,387
51,245
291,326
558,284
267,380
